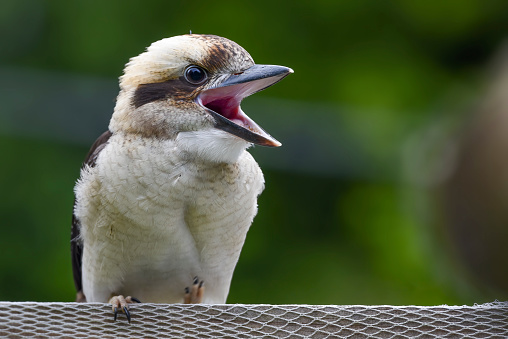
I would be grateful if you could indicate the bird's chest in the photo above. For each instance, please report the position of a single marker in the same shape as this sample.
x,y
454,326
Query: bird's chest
x,y
160,194
156,205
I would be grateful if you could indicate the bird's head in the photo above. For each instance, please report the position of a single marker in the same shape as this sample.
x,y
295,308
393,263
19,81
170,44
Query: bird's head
x,y
189,88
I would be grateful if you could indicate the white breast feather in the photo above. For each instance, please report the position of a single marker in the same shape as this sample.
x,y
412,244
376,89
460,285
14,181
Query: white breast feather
x,y
212,145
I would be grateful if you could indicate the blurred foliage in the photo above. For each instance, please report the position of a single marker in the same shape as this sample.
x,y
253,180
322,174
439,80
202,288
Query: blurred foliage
x,y
36,180
396,66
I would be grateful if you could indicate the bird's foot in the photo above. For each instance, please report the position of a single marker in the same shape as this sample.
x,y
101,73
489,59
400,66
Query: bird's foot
x,y
194,294
119,302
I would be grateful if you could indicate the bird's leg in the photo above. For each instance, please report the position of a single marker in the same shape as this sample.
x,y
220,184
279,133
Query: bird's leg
x,y
120,302
80,297
194,295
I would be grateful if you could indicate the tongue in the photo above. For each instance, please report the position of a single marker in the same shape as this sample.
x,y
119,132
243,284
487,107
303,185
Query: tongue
x,y
227,107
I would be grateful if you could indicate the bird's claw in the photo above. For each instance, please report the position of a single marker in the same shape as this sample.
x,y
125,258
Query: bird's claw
x,y
194,294
127,313
119,302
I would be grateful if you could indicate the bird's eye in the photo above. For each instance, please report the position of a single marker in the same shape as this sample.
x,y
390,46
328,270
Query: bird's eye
x,y
195,75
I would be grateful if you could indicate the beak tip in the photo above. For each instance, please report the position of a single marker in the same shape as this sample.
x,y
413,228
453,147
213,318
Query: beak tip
x,y
272,143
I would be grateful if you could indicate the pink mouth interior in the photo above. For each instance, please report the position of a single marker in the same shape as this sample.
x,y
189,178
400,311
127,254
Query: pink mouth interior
x,y
226,102
229,108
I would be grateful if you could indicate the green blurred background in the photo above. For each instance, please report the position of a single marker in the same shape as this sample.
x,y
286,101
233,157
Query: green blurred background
x,y
392,183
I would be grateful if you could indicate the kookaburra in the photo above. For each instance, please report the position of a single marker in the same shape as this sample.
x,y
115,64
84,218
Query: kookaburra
x,y
168,193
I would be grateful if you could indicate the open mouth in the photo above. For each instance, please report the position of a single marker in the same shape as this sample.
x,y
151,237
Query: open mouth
x,y
223,102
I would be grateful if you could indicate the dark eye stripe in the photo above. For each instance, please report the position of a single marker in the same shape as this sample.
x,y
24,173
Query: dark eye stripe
x,y
177,89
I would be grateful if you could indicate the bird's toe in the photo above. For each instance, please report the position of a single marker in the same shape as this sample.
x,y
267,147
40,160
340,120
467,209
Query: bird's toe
x,y
119,302
194,294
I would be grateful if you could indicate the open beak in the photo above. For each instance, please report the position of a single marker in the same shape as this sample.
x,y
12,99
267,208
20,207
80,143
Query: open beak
x,y
223,102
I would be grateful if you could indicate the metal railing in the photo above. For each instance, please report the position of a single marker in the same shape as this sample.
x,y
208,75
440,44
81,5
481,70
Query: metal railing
x,y
95,320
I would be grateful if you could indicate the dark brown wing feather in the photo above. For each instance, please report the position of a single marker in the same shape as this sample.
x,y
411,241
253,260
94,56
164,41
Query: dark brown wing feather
x,y
76,244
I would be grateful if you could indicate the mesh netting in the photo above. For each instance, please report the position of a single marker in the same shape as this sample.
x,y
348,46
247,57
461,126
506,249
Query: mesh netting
x,y
79,320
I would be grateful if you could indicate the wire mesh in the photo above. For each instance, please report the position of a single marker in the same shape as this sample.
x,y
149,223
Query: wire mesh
x,y
95,320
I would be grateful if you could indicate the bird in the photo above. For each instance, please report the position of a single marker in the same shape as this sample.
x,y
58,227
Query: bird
x,y
166,195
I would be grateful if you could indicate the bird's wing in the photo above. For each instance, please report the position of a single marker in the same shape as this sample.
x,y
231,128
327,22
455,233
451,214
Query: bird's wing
x,y
76,244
